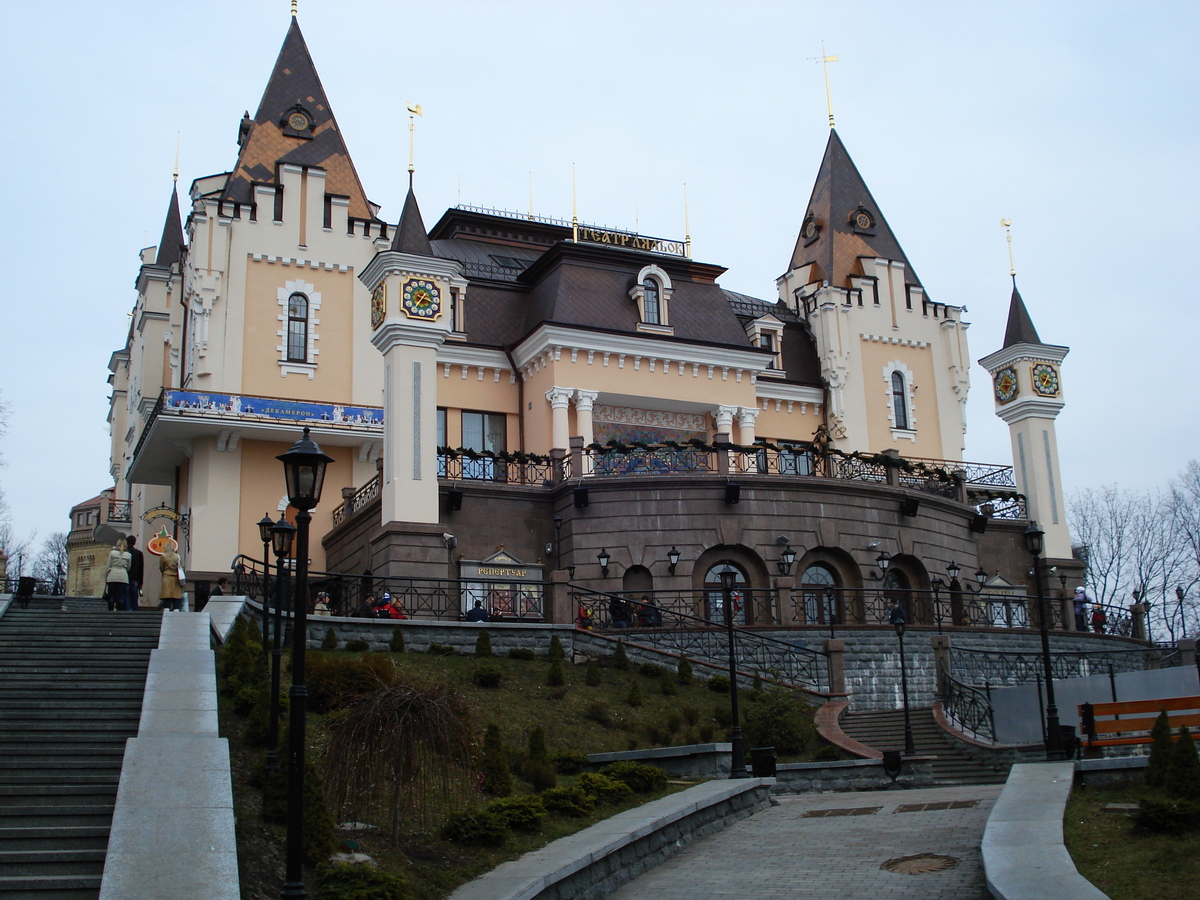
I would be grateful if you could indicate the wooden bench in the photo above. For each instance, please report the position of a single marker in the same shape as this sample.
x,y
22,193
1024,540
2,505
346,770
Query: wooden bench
x,y
1129,722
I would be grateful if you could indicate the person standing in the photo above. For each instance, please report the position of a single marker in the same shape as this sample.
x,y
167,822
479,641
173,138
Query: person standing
x,y
116,576
137,572
170,594
1081,607
896,613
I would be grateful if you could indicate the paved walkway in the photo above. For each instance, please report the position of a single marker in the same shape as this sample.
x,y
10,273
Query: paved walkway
x,y
783,854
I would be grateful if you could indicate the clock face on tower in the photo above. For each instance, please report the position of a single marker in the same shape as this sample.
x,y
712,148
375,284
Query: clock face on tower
x,y
1045,380
1004,383
378,304
420,299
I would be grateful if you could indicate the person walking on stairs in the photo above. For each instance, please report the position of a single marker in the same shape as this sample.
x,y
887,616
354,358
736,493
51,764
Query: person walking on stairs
x,y
171,593
137,572
116,576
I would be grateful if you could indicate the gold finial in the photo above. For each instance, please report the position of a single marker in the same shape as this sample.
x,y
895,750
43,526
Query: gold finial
x,y
687,231
574,208
414,109
825,60
1006,224
175,172
294,5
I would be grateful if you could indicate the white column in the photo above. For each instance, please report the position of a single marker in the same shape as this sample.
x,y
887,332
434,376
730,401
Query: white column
x,y
746,417
724,416
584,401
560,402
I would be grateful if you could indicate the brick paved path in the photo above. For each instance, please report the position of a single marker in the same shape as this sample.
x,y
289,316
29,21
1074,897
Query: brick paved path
x,y
782,854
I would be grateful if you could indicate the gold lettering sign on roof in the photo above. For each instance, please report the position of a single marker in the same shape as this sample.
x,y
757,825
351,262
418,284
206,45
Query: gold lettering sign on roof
x,y
593,235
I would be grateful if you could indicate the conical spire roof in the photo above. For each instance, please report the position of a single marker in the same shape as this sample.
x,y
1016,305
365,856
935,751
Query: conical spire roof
x,y
268,143
1020,328
838,195
170,245
411,236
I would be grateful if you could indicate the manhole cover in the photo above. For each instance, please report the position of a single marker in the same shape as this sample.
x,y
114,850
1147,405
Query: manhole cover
x,y
855,811
920,864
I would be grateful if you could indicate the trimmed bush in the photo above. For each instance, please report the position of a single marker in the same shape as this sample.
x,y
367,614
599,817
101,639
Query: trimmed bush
x,y
603,790
642,779
722,716
706,732
757,684
483,644
537,745
540,775
668,688
480,828
1182,781
718,684
555,677
568,801
683,671
358,646
691,714
320,842
592,679
497,780
330,641
569,762
344,881
775,718
246,698
487,676
651,670
558,693
556,649
396,645
1173,817
597,712
674,722
619,660
1160,751
520,813
827,753
521,653
634,697
333,682
441,650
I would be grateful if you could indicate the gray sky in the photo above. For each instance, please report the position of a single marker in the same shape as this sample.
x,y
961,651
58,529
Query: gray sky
x,y
1076,120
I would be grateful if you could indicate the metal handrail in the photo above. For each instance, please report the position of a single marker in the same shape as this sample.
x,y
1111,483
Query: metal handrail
x,y
1012,667
968,707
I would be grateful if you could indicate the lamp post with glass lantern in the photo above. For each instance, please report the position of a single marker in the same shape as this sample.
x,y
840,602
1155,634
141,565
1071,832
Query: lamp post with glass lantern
x,y
304,471
282,533
264,534
1034,542
737,761
909,745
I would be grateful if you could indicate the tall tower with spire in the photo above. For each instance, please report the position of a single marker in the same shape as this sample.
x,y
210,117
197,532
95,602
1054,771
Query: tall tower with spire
x,y
1027,389
894,360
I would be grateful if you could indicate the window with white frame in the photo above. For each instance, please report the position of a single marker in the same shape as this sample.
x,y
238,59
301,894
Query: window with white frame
x,y
899,386
297,328
652,314
299,304
652,294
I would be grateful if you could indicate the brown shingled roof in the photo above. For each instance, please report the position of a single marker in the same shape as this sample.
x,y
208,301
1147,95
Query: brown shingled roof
x,y
1020,326
294,82
170,245
838,192
410,236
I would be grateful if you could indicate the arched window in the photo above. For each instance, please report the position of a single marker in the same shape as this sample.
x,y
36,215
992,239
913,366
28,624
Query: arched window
x,y
714,595
819,588
297,328
899,400
653,309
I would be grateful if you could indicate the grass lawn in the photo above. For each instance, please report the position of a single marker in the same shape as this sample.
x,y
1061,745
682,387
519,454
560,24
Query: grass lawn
x,y
1124,864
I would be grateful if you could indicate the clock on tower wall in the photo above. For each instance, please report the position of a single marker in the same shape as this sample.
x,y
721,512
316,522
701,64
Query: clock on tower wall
x,y
1044,377
1004,384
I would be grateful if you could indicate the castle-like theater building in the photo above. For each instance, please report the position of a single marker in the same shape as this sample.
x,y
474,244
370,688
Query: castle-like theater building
x,y
506,398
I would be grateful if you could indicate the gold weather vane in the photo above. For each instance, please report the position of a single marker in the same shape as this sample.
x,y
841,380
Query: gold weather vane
x,y
825,60
1006,224
414,110
687,231
574,208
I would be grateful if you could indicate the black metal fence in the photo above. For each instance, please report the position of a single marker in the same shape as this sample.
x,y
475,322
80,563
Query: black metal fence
x,y
1012,667
967,707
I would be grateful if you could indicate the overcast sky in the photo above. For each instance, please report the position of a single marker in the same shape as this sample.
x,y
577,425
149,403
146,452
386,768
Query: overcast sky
x,y
1076,120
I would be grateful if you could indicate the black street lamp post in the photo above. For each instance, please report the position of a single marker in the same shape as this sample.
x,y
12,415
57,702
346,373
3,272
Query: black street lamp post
x,y
264,534
737,762
558,524
282,533
1034,542
304,470
937,584
909,746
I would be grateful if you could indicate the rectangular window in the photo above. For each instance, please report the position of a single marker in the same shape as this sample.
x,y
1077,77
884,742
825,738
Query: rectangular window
x,y
484,431
441,442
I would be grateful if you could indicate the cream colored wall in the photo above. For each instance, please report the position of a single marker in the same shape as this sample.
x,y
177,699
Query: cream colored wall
x,y
922,400
214,498
785,426
471,393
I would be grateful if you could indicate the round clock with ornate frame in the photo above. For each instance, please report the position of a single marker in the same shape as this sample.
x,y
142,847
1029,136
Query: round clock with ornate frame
x,y
1004,383
420,298
298,121
379,304
1045,379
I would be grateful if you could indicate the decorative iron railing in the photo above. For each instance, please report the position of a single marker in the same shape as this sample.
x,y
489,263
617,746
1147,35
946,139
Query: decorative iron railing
x,y
361,498
120,511
968,707
413,598
998,507
650,461
699,638
1011,667
536,471
41,587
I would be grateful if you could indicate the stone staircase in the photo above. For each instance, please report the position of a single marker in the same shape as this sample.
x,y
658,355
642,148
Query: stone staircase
x,y
884,730
72,676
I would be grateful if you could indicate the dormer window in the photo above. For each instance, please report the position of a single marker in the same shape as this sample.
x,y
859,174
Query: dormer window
x,y
766,333
652,294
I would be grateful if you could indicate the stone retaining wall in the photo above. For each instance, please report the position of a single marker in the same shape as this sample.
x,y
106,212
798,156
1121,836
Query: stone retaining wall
x,y
851,775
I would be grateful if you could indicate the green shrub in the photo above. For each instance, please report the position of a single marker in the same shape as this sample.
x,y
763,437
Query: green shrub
x,y
1160,751
520,813
722,716
320,842
1173,817
1182,781
358,646
757,684
540,775
537,745
521,653
683,671
556,649
691,714
332,682
634,697
592,679
258,722
651,670
441,650
555,677
330,641
396,644
483,643
597,711
775,718
497,780
674,722
480,828
718,684
603,790
619,660
568,801
569,762
706,732
642,779
486,676
343,881
654,735
246,698
558,693
668,688
827,753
